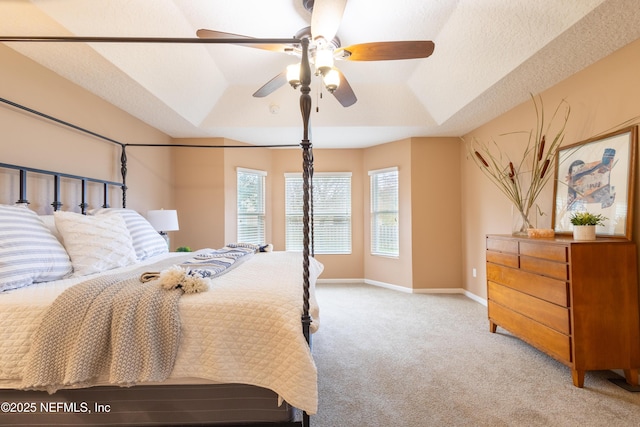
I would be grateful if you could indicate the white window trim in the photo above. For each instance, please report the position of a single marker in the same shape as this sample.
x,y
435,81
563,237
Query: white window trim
x,y
383,170
377,172
254,171
262,174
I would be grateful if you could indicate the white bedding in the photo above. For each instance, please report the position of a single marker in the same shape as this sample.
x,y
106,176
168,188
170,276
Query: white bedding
x,y
245,329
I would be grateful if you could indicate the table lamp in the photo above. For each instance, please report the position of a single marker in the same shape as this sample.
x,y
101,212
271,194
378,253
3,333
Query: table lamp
x,y
163,220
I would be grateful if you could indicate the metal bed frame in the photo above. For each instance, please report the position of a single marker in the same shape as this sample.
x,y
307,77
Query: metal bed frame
x,y
305,144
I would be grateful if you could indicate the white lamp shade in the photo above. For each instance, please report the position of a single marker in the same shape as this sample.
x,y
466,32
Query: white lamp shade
x,y
324,60
332,80
163,220
293,74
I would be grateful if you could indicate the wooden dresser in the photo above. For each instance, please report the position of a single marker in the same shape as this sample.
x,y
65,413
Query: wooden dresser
x,y
576,301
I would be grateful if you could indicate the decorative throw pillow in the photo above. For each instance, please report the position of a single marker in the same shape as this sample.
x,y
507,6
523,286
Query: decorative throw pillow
x,y
50,222
95,243
29,253
147,242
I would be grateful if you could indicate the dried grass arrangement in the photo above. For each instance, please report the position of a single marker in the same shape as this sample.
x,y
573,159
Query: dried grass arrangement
x,y
523,179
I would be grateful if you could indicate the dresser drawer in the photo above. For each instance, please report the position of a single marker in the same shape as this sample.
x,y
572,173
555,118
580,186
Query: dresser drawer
x,y
510,260
552,315
500,245
546,288
545,251
554,343
559,270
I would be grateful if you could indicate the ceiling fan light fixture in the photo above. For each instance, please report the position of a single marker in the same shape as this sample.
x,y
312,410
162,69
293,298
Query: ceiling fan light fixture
x,y
293,75
331,80
324,61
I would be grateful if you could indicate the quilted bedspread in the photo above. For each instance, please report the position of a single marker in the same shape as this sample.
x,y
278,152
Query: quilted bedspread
x,y
112,322
245,329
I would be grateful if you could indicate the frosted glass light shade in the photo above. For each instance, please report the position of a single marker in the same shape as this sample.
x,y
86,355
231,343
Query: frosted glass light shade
x,y
293,74
332,80
163,220
324,61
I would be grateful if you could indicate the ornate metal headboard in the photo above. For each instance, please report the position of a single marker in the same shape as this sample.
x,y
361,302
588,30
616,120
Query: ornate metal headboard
x,y
57,203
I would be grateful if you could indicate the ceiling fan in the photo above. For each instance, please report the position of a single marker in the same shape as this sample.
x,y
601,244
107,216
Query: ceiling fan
x,y
324,48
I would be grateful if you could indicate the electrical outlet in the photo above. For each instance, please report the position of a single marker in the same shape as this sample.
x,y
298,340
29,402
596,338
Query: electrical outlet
x,y
474,272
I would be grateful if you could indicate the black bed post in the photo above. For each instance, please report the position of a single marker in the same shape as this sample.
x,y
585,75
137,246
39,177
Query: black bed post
x,y
123,172
307,158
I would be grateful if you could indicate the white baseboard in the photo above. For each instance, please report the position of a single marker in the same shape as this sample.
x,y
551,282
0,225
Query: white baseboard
x,y
475,297
408,290
334,281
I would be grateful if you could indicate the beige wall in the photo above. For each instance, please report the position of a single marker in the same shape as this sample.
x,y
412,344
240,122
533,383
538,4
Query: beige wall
x,y
436,213
199,191
391,270
32,141
602,96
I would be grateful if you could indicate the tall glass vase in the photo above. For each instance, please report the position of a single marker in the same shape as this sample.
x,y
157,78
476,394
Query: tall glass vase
x,y
520,221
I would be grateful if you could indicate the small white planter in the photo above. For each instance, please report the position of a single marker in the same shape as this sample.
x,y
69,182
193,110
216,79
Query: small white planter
x,y
584,232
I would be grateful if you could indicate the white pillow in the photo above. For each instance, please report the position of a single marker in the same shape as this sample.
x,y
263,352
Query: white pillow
x,y
95,243
147,242
50,222
29,253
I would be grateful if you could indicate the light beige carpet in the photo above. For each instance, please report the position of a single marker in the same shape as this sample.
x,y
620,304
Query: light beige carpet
x,y
387,358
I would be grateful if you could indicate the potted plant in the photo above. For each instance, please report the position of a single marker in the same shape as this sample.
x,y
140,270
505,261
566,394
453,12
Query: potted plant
x,y
584,225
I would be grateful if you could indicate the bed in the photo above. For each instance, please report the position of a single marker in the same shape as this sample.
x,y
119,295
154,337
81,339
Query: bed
x,y
217,377
245,329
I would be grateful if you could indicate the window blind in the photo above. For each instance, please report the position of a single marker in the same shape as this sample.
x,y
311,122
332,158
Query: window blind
x,y
251,206
384,212
331,212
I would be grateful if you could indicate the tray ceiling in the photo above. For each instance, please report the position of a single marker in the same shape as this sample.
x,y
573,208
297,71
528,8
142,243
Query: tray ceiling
x,y
489,55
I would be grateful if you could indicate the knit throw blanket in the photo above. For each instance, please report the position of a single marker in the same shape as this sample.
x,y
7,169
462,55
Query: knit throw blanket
x,y
111,326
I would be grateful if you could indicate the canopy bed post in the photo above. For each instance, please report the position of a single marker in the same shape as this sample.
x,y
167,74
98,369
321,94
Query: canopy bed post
x,y
305,108
123,172
307,159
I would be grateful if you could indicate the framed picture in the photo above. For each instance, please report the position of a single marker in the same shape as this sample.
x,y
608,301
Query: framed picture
x,y
597,175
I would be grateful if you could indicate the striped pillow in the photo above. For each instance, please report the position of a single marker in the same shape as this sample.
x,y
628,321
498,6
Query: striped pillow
x,y
147,242
29,252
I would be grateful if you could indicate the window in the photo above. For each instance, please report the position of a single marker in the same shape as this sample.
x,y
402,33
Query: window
x,y
384,212
331,212
251,202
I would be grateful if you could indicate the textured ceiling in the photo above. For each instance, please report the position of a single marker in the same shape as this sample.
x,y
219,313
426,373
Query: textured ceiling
x,y
489,55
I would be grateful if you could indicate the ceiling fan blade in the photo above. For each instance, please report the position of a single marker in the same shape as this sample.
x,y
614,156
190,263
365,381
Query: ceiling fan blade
x,y
344,94
385,51
326,18
272,85
212,34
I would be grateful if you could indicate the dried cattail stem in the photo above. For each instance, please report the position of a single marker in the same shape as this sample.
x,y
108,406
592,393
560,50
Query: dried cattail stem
x,y
544,168
484,162
541,148
513,172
